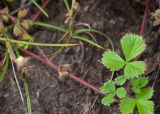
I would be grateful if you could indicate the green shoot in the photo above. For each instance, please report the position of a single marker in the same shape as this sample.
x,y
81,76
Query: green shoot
x,y
97,32
26,86
5,69
51,26
35,44
39,7
87,40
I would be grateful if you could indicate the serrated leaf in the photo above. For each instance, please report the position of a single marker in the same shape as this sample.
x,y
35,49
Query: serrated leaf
x,y
112,61
136,89
121,92
145,106
16,30
127,105
108,87
22,13
132,46
120,80
133,69
146,93
107,100
139,83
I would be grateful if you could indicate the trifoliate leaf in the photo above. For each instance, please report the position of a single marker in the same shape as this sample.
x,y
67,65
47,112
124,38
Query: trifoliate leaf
x,y
121,92
132,46
127,105
133,69
16,30
146,93
112,61
139,83
120,80
108,87
145,106
107,100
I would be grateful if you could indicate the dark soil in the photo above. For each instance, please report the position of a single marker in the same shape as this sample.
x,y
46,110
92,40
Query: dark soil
x,y
51,96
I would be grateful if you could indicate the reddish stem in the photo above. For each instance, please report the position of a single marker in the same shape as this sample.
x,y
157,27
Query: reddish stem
x,y
54,67
144,18
35,17
85,83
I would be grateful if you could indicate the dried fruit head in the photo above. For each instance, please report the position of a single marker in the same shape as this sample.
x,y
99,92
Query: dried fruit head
x,y
64,70
21,62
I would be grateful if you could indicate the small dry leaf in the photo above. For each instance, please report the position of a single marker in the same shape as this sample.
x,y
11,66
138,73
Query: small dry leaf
x,y
27,23
4,11
22,13
156,16
64,70
16,30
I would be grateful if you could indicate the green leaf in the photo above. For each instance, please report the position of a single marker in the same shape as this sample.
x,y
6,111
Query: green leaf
x,y
139,83
87,41
145,106
133,69
120,80
132,46
39,7
112,61
145,93
97,32
5,69
51,26
121,92
108,87
107,100
127,105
